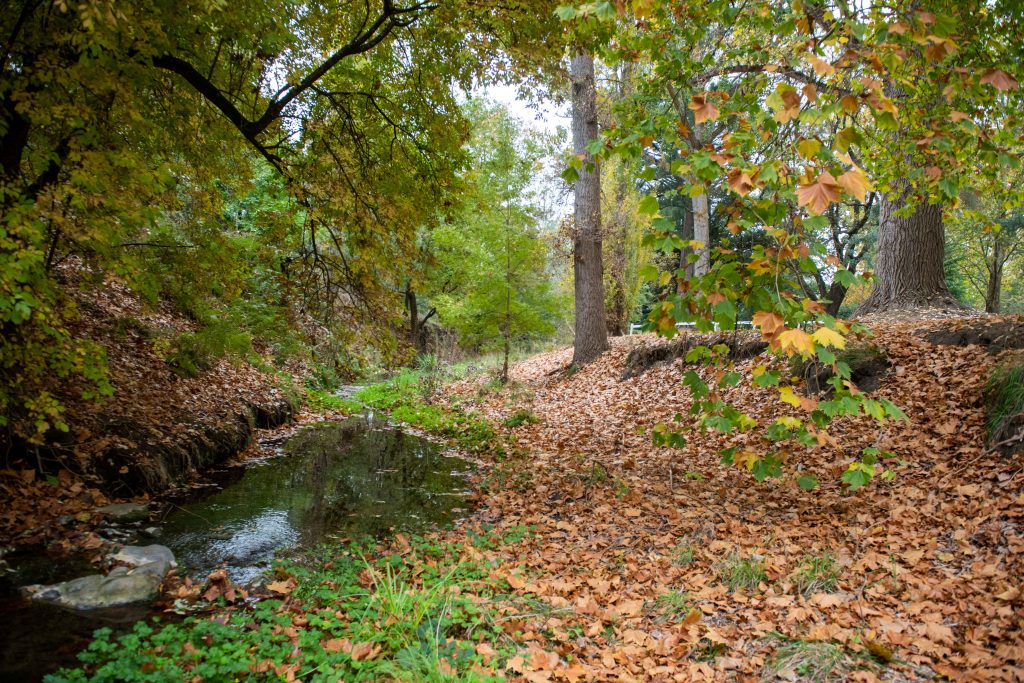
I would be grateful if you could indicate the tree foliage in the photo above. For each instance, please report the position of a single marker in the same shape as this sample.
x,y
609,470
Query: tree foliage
x,y
814,104
123,124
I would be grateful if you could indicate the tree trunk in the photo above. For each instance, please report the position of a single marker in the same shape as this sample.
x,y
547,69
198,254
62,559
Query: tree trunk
x,y
909,269
591,333
702,233
995,279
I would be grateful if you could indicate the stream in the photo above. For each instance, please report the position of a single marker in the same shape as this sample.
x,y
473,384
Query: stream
x,y
330,482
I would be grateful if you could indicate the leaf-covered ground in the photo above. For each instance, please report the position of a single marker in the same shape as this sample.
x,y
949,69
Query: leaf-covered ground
x,y
655,564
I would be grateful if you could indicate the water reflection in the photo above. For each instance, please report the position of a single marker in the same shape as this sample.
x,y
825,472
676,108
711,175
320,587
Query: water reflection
x,y
355,478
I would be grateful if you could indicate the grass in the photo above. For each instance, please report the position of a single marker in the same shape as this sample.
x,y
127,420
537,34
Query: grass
x,y
1004,398
811,661
406,617
401,397
683,555
742,574
521,417
327,401
817,574
673,605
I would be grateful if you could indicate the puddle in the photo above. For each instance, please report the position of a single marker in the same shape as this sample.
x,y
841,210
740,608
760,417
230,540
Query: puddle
x,y
333,481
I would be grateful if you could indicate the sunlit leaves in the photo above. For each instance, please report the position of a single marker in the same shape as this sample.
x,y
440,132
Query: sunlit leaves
x,y
855,184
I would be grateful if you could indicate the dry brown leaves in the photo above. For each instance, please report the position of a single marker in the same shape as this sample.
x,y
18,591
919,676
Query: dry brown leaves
x,y
931,562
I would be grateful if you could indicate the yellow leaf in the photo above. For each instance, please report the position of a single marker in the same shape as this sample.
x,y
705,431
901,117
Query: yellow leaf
x,y
828,337
787,396
808,148
796,340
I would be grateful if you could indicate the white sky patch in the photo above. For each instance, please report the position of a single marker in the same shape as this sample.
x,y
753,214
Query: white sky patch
x,y
551,118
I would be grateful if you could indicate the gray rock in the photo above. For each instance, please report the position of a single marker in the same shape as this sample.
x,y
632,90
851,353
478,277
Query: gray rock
x,y
122,586
136,555
153,532
124,512
139,581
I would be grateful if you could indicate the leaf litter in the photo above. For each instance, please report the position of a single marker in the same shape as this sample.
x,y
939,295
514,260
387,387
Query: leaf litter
x,y
925,570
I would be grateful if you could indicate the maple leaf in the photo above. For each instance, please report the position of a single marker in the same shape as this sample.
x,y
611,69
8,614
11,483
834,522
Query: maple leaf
x,y
855,183
702,109
282,587
820,194
791,105
827,337
740,182
770,322
796,340
1000,80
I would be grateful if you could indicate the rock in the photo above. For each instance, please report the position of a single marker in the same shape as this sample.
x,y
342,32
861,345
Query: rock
x,y
124,512
153,532
139,581
122,586
138,556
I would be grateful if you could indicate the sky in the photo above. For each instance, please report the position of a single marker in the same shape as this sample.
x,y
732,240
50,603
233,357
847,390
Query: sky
x,y
544,116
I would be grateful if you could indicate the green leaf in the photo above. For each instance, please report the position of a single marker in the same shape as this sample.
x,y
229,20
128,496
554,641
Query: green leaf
x,y
807,482
648,205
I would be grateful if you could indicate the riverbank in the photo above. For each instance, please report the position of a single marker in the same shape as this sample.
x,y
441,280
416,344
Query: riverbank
x,y
593,555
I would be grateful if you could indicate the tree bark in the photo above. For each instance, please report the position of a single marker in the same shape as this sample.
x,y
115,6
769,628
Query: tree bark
x,y
994,289
909,270
591,334
702,233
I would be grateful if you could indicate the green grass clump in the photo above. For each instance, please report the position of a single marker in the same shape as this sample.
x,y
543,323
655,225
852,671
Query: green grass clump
x,y
817,574
739,573
521,417
402,399
812,661
682,555
673,605
406,617
1004,398
326,400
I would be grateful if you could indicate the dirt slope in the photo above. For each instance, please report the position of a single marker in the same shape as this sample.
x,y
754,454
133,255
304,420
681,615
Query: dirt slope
x,y
931,563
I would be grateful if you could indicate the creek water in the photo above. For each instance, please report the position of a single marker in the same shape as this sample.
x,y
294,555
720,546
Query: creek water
x,y
330,482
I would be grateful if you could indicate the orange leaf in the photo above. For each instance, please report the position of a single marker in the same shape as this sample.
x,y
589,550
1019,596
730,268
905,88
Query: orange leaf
x,y
820,194
855,183
769,322
740,182
702,109
1000,80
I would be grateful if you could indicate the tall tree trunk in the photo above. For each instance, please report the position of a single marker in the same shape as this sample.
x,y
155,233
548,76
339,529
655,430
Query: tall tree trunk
x,y
909,270
591,334
994,289
702,233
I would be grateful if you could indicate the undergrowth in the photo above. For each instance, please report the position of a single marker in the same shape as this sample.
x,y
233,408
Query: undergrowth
x,y
1004,398
415,616
403,399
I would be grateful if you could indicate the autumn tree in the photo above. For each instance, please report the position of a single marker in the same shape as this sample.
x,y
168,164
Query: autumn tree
x,y
114,115
927,98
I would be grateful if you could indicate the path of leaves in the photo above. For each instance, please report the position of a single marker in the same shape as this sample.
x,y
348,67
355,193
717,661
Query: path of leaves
x,y
931,563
